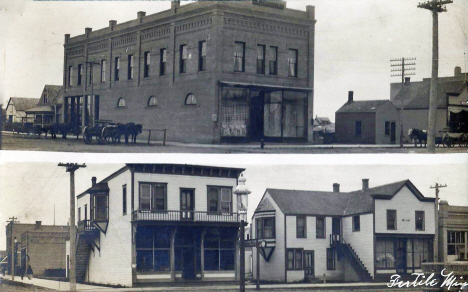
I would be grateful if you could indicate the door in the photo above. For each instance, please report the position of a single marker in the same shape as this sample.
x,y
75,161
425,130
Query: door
x,y
309,259
393,132
336,229
401,256
186,204
188,258
256,115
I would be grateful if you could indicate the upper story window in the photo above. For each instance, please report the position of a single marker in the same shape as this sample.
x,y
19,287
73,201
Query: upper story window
x,y
130,67
294,258
70,76
162,62
357,129
103,71
116,68
79,214
124,199
265,227
260,59
147,60
220,199
273,61
183,59
80,74
152,101
121,102
239,57
320,227
356,223
202,56
292,62
301,227
190,99
153,196
419,219
391,220
101,207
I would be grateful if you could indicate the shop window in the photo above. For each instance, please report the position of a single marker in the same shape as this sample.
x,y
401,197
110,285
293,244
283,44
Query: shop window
x,y
103,71
239,57
260,59
219,246
153,197
265,227
147,63
153,249
294,259
273,61
455,242
292,63
320,227
357,129
190,99
116,68
419,220
220,199
422,251
384,254
234,112
301,227
356,223
391,220
202,56
152,101
162,62
130,67
183,59
330,259
121,102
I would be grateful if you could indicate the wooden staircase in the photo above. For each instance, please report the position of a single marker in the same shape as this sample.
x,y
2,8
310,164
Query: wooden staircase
x,y
348,252
82,258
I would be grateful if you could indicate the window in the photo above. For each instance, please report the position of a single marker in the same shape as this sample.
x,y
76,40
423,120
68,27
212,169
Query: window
x,y
44,98
190,99
124,199
86,212
301,230
387,128
153,248
455,242
80,74
70,76
103,71
384,253
265,227
330,259
292,63
320,227
130,67
202,56
116,69
356,223
183,59
153,196
419,219
79,214
357,129
294,259
162,62
273,60
391,220
220,199
219,250
239,57
152,101
423,251
101,207
147,60
260,59
121,102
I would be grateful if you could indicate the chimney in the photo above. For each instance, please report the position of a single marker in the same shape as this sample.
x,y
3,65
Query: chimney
x,y
174,5
93,181
140,15
350,96
38,225
112,24
365,183
67,38
336,188
88,31
310,11
407,81
457,71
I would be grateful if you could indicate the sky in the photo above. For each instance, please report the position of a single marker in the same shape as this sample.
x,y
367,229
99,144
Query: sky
x,y
354,42
31,184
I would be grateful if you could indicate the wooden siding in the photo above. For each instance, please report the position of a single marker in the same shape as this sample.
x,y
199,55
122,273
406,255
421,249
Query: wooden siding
x,y
387,112
361,241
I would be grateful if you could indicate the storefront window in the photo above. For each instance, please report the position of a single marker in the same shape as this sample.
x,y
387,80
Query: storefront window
x,y
235,112
219,250
384,254
153,248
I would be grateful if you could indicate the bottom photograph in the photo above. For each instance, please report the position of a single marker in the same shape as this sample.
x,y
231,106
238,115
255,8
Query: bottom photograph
x,y
233,227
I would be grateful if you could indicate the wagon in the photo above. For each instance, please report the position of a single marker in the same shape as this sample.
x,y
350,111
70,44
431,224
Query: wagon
x,y
449,139
103,130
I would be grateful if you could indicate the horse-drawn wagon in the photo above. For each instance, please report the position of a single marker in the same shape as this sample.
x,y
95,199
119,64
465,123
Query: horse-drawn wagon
x,y
106,131
449,139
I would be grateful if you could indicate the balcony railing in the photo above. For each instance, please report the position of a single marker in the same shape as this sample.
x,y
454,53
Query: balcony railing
x,y
335,239
86,225
184,216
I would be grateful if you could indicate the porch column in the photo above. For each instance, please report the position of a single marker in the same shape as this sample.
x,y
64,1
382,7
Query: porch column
x,y
173,253
202,255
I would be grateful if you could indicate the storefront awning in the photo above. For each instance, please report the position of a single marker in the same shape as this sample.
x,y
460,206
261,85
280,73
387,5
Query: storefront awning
x,y
265,86
457,109
40,109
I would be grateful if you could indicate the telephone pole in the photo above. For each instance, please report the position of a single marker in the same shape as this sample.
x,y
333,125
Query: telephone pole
x,y
436,7
436,206
403,73
12,258
71,168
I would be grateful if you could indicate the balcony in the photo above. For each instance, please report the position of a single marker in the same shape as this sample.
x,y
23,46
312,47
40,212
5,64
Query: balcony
x,y
86,226
185,216
335,239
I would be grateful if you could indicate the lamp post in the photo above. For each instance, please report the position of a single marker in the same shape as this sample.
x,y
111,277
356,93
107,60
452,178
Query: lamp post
x,y
242,193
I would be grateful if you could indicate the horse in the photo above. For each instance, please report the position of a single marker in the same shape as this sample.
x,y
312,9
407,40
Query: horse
x,y
132,130
416,135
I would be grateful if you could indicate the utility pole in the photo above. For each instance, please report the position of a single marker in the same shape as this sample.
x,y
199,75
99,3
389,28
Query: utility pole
x,y
71,168
436,7
402,72
436,239
12,258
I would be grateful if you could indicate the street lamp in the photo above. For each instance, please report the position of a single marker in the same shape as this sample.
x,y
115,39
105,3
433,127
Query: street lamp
x,y
242,193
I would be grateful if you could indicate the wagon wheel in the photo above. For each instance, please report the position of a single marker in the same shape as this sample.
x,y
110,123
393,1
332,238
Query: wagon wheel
x,y
447,141
87,137
106,135
463,140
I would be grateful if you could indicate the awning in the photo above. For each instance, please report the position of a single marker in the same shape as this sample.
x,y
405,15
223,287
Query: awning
x,y
266,86
40,109
457,109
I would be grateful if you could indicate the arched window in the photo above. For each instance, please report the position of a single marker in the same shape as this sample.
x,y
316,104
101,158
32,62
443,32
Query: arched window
x,y
121,102
152,101
190,99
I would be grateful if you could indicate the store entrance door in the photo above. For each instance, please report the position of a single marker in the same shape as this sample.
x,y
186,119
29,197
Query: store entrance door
x,y
256,115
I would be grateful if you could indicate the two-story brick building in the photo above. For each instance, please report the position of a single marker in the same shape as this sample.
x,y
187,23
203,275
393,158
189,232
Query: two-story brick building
x,y
355,236
207,72
159,222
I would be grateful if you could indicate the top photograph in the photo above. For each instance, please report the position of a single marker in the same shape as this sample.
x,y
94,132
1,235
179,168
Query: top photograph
x,y
318,77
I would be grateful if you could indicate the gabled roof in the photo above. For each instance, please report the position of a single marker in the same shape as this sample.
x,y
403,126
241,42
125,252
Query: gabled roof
x,y
416,94
23,103
363,106
55,92
337,203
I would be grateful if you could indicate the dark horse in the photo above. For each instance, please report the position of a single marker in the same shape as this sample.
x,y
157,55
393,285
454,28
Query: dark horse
x,y
416,135
63,129
128,130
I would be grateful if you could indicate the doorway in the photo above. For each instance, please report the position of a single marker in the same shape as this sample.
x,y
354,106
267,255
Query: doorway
x,y
186,204
309,268
336,227
401,256
392,132
256,115
188,263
